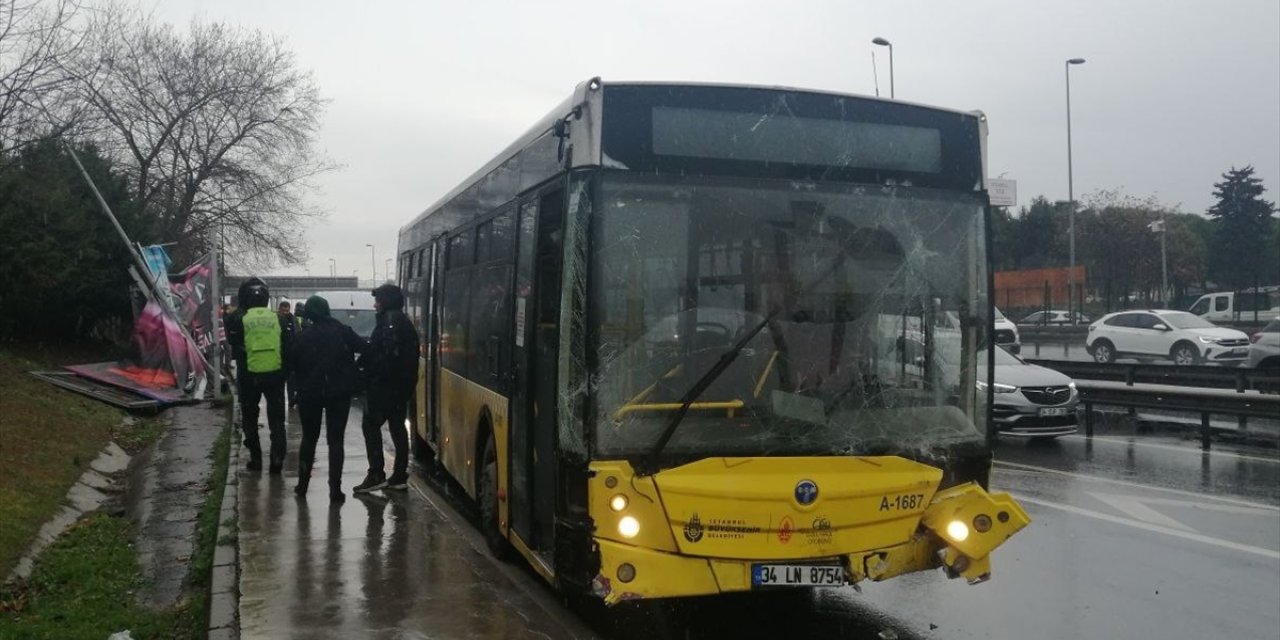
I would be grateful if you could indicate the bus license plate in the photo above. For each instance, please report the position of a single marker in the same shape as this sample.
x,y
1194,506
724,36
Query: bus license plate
x,y
797,575
1048,412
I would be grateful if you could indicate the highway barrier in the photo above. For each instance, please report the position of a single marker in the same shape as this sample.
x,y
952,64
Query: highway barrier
x,y
1204,390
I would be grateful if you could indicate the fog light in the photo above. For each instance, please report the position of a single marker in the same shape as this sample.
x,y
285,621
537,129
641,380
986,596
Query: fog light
x,y
626,572
629,527
957,531
982,522
618,503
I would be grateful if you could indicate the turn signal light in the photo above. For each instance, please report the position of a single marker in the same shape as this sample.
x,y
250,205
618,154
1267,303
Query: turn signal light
x,y
982,522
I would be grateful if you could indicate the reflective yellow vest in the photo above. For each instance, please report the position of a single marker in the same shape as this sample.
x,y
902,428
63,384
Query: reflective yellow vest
x,y
262,340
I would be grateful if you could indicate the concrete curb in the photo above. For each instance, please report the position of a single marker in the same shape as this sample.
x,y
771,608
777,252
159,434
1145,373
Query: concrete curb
x,y
86,495
224,587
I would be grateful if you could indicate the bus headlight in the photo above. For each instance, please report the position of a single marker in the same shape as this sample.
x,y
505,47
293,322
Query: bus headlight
x,y
957,531
629,527
618,502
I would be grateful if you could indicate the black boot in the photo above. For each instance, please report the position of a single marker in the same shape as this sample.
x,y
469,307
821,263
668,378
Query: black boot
x,y
277,464
255,461
304,479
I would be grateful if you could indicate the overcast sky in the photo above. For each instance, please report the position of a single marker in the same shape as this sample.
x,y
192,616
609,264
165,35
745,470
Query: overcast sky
x,y
423,93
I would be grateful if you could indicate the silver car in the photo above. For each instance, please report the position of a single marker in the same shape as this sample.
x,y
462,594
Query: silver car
x,y
1032,401
1264,347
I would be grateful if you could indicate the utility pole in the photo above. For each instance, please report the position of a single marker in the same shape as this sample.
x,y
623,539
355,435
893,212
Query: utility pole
x,y
1071,201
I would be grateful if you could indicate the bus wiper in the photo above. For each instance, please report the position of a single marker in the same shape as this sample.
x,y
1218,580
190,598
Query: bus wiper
x,y
650,464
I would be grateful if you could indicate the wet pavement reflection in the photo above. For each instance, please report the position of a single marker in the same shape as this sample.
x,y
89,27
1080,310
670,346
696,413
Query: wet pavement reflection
x,y
1132,537
383,565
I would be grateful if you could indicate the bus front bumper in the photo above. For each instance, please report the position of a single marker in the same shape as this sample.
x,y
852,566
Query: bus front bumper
x,y
957,533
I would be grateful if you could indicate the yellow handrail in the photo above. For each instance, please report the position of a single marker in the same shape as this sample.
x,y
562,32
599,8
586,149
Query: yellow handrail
x,y
764,375
729,405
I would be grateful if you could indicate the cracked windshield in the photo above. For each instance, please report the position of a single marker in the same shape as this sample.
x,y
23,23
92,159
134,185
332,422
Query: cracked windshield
x,y
639,320
841,308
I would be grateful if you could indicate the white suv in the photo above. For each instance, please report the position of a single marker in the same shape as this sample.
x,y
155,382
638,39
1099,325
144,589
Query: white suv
x,y
1007,334
1177,335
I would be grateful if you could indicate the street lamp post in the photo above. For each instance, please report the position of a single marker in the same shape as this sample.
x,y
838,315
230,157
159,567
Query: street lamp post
x,y
885,43
333,268
387,269
1071,200
1159,227
373,264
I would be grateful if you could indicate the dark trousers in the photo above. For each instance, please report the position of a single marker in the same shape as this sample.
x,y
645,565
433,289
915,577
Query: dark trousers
x,y
335,412
391,410
253,387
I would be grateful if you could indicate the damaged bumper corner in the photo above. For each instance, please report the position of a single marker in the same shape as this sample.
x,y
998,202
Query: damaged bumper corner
x,y
972,523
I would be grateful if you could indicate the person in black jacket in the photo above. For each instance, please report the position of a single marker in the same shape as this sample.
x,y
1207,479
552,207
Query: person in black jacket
x,y
391,373
325,366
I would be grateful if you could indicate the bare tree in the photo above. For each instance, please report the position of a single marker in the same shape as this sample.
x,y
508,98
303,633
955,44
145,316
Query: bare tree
x,y
35,37
215,126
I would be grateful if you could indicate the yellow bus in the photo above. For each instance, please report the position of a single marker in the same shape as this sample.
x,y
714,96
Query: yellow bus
x,y
689,339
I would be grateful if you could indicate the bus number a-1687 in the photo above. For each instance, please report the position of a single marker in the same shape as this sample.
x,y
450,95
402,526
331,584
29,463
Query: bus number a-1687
x,y
904,502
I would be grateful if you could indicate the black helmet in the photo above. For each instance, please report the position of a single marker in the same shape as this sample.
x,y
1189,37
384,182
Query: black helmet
x,y
253,293
390,297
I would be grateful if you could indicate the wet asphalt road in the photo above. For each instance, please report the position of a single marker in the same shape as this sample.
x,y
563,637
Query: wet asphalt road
x,y
1145,537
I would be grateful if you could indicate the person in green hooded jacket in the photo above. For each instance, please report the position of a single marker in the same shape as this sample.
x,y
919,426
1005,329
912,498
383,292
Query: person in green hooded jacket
x,y
324,362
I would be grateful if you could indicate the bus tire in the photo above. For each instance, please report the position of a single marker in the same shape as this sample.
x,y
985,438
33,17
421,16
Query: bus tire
x,y
487,495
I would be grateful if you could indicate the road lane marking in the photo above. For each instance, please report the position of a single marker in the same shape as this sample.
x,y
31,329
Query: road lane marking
x,y
1123,483
1137,524
1169,447
1133,507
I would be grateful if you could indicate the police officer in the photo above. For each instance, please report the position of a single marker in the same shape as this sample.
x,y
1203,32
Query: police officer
x,y
261,344
391,372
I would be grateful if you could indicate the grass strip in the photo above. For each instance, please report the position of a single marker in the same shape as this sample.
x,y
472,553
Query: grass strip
x,y
83,587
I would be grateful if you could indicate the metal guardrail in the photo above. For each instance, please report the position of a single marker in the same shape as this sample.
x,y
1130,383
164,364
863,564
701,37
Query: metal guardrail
x,y
1215,377
1205,390
1206,402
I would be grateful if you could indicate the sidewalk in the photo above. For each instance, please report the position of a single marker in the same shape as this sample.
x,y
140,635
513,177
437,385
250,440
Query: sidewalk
x,y
387,565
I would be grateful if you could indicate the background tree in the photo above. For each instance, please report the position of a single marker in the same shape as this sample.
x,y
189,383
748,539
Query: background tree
x,y
34,38
1042,233
215,127
64,270
1243,250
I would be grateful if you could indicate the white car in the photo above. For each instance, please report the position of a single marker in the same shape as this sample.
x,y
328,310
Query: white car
x,y
1031,401
1161,333
1007,333
1055,317
1264,353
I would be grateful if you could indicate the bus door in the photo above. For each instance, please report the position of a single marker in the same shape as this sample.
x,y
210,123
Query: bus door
x,y
431,340
539,256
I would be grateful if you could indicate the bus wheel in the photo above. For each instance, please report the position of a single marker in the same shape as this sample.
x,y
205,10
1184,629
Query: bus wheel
x,y
488,495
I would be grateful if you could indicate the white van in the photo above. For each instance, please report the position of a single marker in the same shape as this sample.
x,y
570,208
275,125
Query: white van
x,y
352,308
1228,306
